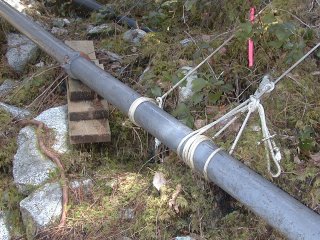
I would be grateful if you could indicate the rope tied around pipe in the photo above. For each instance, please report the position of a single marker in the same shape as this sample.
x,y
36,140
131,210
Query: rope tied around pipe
x,y
136,103
189,143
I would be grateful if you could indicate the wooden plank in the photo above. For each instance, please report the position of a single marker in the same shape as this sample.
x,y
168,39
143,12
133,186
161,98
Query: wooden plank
x,y
88,110
83,46
89,131
87,113
78,91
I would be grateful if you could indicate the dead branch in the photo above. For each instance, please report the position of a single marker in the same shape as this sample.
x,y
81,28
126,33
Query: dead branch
x,y
172,202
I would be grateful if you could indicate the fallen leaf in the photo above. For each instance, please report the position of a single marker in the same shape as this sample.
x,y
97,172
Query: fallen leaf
x,y
158,180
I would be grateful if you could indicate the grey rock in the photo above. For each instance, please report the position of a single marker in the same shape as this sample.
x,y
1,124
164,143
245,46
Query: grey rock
x,y
112,57
7,86
4,228
184,238
127,214
21,51
57,119
59,31
40,64
84,186
185,42
186,92
99,30
15,112
66,21
42,208
16,4
134,36
58,22
31,168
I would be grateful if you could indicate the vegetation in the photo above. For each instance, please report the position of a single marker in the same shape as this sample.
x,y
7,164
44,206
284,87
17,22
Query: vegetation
x,y
123,201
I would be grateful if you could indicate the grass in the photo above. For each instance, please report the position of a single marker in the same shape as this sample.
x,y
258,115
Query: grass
x,y
122,171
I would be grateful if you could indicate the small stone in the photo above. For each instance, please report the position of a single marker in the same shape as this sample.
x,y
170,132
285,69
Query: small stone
x,y
4,229
127,214
15,112
58,22
256,128
66,21
7,86
199,123
40,64
84,186
184,238
21,51
159,180
42,208
124,238
31,168
186,42
206,38
134,49
185,93
112,57
103,29
59,31
134,36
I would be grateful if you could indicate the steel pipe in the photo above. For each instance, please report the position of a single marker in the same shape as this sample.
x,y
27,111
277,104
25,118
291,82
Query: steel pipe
x,y
276,207
95,6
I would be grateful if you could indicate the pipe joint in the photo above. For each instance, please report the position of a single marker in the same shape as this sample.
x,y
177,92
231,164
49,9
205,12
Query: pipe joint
x,y
68,59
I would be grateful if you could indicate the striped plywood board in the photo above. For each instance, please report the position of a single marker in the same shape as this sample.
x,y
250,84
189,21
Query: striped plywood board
x,y
87,112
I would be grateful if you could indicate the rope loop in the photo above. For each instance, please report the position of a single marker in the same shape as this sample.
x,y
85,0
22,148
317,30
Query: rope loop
x,y
191,143
205,168
135,105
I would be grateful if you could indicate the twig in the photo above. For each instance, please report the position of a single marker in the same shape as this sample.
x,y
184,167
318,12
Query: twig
x,y
296,17
55,158
172,202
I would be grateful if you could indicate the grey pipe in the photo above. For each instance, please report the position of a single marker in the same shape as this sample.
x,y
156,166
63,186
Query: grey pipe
x,y
92,4
124,20
275,206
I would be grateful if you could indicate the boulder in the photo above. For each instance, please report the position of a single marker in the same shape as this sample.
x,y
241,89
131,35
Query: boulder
x,y
42,208
15,112
7,86
4,228
31,168
21,51
134,36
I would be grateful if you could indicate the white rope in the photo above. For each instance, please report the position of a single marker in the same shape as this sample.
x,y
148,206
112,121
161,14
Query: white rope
x,y
135,105
190,145
161,99
297,63
205,168
193,139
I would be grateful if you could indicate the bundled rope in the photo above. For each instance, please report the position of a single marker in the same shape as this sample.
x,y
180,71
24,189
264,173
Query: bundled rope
x,y
189,143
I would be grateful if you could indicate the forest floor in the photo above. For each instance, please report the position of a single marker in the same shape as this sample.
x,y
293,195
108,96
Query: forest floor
x,y
123,170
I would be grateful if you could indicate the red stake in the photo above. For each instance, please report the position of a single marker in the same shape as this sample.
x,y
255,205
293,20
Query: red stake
x,y
250,43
